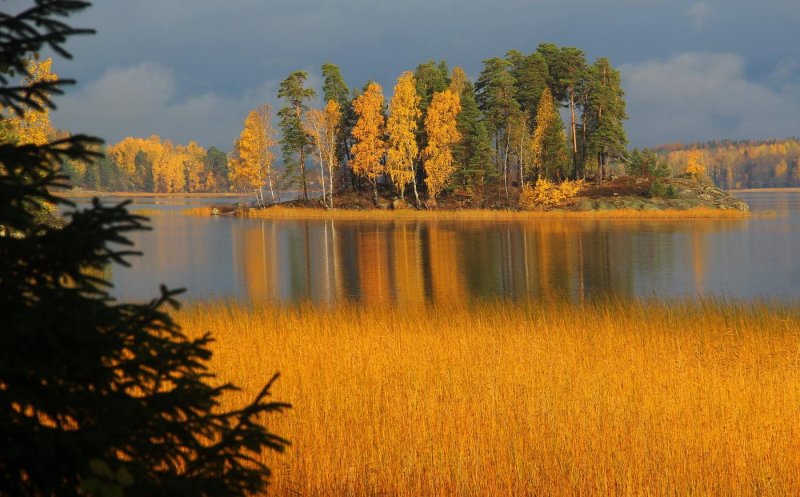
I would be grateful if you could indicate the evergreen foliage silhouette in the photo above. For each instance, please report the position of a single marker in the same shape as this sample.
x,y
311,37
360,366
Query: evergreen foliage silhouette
x,y
97,397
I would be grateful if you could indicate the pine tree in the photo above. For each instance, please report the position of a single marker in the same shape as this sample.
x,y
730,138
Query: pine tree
x,y
473,153
98,397
440,126
604,112
401,128
567,72
495,93
295,141
370,146
530,79
334,88
216,163
549,146
430,78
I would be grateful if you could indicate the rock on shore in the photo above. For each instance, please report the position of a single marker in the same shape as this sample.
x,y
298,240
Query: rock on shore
x,y
688,194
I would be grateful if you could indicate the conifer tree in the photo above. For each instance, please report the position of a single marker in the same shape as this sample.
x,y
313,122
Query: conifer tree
x,y
216,164
401,128
567,72
334,88
495,93
430,78
473,153
603,116
550,154
530,79
370,147
98,397
295,141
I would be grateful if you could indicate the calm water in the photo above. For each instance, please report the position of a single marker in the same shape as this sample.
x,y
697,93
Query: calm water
x,y
328,261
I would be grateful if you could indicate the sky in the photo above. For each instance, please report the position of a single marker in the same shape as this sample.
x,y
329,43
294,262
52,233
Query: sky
x,y
192,69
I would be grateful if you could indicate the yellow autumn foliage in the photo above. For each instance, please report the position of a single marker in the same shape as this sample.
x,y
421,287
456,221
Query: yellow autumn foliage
x,y
196,177
458,80
547,194
34,125
401,127
253,151
442,131
694,165
323,125
370,147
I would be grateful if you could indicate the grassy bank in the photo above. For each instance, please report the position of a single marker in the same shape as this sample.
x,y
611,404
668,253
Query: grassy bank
x,y
609,398
477,214
76,193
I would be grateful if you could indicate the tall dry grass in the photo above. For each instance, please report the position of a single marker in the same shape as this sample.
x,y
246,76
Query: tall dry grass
x,y
482,399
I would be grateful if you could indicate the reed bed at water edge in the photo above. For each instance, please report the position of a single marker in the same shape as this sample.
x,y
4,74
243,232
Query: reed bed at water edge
x,y
477,214
612,397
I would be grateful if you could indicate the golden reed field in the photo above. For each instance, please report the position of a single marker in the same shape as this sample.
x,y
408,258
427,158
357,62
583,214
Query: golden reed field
x,y
496,398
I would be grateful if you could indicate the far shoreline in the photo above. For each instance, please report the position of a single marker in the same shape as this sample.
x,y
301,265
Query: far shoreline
x,y
792,189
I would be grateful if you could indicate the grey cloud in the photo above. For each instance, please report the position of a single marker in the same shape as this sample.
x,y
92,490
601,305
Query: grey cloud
x,y
142,100
220,53
699,13
705,96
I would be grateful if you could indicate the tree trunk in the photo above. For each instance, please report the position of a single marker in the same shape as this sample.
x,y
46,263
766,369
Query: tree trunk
x,y
505,164
271,190
416,194
303,173
322,176
574,135
330,182
521,159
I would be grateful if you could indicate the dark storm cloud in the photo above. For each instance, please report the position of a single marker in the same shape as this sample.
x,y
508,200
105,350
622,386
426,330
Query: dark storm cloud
x,y
693,70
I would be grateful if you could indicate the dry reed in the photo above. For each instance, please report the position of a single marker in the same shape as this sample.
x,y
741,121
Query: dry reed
x,y
494,398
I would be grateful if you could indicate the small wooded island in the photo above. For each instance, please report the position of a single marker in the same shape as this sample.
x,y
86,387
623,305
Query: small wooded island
x,y
621,197
539,132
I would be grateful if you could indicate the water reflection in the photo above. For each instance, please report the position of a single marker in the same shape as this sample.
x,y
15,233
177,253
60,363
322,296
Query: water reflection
x,y
405,262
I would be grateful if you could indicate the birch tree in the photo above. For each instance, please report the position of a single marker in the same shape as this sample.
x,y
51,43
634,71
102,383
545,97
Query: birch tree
x,y
370,147
401,128
252,158
323,126
441,128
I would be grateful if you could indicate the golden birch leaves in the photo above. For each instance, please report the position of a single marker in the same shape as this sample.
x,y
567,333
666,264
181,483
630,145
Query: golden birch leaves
x,y
440,125
401,127
34,125
252,158
370,147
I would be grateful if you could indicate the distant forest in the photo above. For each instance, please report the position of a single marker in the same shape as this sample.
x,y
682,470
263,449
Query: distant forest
x,y
742,164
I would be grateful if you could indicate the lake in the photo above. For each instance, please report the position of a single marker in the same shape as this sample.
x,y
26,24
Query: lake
x,y
439,261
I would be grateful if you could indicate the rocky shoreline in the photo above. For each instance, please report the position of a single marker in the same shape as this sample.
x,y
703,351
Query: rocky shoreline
x,y
622,194
688,194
